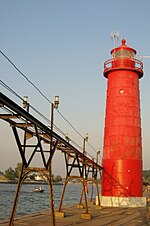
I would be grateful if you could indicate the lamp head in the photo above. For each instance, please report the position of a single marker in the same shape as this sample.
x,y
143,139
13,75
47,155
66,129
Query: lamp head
x,y
56,102
86,137
25,102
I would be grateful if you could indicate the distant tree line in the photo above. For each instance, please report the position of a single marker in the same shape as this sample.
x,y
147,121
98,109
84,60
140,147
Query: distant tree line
x,y
146,176
13,174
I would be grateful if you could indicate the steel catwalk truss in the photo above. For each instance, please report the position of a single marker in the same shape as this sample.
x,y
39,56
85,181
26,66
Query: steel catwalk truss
x,y
19,119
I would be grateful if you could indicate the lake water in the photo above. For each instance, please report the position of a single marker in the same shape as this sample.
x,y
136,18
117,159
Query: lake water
x,y
30,201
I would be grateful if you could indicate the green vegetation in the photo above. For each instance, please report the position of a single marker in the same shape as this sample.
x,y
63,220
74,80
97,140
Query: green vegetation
x,y
146,177
10,174
18,170
13,174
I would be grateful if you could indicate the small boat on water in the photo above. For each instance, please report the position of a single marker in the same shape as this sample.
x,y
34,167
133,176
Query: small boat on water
x,y
38,190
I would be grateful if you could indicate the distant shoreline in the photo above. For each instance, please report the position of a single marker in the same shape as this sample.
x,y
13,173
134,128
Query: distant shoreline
x,y
30,182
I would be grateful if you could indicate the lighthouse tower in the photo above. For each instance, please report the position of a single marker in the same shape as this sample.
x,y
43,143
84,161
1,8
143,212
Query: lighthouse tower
x,y
122,153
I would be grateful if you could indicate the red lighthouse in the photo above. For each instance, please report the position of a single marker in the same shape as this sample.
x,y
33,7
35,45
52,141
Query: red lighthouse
x,y
122,154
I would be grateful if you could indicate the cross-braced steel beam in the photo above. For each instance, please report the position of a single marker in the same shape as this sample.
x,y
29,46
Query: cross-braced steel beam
x,y
39,134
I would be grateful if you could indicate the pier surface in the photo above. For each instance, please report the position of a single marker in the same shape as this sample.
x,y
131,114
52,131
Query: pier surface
x,y
111,216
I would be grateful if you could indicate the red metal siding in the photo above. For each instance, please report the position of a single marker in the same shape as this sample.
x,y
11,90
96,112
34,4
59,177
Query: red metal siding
x,y
122,154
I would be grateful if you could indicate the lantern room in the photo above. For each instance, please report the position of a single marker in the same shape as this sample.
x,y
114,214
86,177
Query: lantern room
x,y
123,57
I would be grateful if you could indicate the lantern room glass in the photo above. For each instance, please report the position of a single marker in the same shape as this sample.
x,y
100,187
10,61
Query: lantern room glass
x,y
123,54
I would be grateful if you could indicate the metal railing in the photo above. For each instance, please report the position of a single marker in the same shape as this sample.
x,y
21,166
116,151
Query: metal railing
x,y
124,62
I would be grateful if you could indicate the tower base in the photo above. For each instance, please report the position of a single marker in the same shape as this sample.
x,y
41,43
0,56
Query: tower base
x,y
111,201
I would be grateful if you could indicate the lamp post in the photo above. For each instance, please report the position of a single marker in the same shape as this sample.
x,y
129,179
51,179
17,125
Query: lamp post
x,y
53,106
98,153
96,179
84,175
25,105
85,140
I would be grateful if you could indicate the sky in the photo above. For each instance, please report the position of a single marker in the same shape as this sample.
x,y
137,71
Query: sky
x,y
61,46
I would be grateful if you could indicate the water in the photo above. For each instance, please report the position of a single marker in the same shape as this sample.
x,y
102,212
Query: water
x,y
30,201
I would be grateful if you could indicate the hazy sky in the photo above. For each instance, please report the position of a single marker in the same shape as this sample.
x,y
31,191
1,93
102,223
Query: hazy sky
x,y
61,46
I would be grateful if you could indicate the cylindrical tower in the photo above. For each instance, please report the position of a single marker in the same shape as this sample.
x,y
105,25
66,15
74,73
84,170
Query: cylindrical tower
x,y
122,153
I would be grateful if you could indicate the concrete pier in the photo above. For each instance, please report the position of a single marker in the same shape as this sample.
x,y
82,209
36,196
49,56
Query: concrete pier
x,y
111,201
110,216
